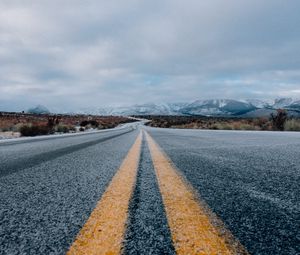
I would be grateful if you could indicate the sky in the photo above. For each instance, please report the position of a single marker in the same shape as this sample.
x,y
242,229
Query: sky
x,y
71,54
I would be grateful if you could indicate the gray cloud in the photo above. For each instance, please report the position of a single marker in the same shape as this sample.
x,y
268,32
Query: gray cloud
x,y
72,54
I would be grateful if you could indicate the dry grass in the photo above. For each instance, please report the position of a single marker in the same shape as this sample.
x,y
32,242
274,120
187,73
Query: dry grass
x,y
292,125
217,123
33,124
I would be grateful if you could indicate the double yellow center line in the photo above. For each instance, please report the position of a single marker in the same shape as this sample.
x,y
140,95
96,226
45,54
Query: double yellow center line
x,y
190,224
104,231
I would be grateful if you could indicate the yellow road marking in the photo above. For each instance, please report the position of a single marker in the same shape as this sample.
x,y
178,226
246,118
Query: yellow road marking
x,y
191,227
104,230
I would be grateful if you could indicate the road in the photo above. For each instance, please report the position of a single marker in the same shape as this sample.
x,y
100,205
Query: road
x,y
132,192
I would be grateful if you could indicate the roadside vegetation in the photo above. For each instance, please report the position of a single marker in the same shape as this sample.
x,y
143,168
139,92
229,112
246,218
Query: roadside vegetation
x,y
22,124
276,122
292,125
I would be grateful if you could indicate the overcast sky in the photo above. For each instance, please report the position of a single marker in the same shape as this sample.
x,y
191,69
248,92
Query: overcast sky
x,y
72,54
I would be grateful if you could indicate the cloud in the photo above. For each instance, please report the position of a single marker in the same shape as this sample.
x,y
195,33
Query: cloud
x,y
73,54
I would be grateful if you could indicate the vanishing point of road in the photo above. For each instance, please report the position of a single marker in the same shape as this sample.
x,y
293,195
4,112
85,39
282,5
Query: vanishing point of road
x,y
141,190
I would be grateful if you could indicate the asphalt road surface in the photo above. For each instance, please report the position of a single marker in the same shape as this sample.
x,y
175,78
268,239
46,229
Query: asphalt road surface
x,y
248,181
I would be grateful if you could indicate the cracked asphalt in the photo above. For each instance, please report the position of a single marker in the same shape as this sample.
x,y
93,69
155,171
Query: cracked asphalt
x,y
250,180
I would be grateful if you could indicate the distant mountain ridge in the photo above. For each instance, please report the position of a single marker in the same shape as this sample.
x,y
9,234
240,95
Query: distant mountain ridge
x,y
210,107
39,109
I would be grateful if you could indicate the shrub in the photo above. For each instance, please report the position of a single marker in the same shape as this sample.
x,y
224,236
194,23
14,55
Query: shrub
x,y
84,123
34,130
62,129
5,129
17,127
215,126
94,123
292,125
226,126
247,127
221,126
90,123
52,121
72,128
279,119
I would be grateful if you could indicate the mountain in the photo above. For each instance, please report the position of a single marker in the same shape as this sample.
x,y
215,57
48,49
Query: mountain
x,y
286,103
152,109
295,105
265,108
282,102
260,103
39,109
138,109
211,107
217,107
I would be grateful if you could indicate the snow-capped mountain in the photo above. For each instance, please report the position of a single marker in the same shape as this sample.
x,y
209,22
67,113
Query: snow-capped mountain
x,y
282,102
287,103
211,107
295,105
139,109
260,103
215,107
39,109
